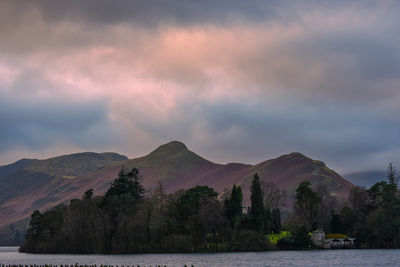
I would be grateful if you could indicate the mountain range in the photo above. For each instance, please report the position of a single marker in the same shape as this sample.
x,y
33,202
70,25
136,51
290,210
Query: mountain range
x,y
31,184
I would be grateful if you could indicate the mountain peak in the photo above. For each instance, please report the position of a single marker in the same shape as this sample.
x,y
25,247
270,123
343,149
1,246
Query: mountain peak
x,y
171,147
295,154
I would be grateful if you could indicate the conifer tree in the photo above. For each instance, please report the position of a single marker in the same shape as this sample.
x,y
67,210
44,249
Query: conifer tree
x,y
257,210
391,175
234,205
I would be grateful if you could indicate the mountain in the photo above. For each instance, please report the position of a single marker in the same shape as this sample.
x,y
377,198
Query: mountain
x,y
366,178
20,164
31,184
44,184
288,171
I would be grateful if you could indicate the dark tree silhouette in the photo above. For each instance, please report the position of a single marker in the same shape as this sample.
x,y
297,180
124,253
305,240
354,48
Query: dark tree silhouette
x,y
234,205
307,202
257,210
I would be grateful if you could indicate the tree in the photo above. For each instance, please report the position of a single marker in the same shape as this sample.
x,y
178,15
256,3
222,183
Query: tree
x,y
211,224
128,183
188,207
336,225
188,202
360,205
276,225
88,194
33,233
327,204
383,219
348,220
307,202
121,202
272,195
257,210
234,205
391,175
125,192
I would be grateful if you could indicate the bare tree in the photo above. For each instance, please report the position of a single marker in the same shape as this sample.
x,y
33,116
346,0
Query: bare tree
x,y
327,204
273,196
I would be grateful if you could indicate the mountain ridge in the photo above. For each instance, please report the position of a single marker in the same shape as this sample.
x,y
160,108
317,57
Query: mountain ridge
x,y
171,164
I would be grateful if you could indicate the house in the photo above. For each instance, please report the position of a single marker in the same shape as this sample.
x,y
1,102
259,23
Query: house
x,y
318,238
331,241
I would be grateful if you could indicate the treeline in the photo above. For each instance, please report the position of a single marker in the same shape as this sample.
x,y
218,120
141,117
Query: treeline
x,y
371,215
124,220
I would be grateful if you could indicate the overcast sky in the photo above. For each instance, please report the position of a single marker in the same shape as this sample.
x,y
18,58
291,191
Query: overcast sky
x,y
236,81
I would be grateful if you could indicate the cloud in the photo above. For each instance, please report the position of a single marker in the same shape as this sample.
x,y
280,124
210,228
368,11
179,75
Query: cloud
x,y
237,81
40,124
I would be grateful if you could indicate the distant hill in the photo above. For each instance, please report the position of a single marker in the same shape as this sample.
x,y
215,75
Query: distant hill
x,y
288,171
26,183
44,184
367,178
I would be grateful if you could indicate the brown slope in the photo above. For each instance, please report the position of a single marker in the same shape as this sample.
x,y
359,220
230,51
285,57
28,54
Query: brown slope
x,y
175,167
172,164
178,168
288,171
38,184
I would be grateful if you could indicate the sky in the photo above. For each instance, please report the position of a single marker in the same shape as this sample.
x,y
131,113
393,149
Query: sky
x,y
236,81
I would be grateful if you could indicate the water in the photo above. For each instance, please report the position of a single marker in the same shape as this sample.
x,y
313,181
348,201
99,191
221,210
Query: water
x,y
389,257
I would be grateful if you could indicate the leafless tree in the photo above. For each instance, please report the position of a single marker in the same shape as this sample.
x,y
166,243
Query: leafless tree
x,y
273,196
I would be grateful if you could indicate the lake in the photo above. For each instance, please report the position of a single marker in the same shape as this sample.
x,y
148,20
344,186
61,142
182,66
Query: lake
x,y
373,257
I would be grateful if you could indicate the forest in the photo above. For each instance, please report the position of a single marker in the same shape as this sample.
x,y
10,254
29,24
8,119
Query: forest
x,y
129,220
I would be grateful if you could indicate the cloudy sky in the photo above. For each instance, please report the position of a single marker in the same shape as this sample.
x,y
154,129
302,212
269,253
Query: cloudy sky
x,y
239,81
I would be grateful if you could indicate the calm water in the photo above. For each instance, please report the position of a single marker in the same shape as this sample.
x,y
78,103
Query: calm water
x,y
10,255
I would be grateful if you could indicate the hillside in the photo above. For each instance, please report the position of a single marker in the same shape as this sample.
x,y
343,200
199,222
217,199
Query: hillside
x,y
31,184
288,171
44,184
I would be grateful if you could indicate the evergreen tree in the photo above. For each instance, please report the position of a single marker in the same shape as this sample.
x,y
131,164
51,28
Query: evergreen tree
x,y
391,175
307,202
257,210
88,194
336,225
35,226
234,205
188,203
128,183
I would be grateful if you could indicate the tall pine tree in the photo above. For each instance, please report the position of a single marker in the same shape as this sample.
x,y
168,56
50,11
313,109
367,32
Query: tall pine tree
x,y
391,175
234,205
257,210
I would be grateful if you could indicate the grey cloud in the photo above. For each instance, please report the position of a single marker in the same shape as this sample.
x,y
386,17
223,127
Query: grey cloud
x,y
41,124
146,12
343,138
186,13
